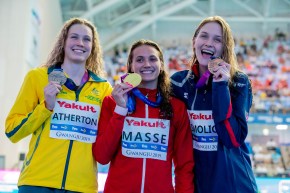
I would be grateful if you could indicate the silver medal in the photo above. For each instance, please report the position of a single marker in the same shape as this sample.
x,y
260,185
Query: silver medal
x,y
57,76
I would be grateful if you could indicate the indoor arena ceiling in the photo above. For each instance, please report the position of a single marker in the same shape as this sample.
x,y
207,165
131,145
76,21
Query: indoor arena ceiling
x,y
134,15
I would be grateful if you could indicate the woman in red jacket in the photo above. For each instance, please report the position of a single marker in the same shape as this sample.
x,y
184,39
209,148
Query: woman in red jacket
x,y
143,129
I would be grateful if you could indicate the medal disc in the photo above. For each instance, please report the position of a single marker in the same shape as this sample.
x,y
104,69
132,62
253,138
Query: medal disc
x,y
132,79
57,76
213,64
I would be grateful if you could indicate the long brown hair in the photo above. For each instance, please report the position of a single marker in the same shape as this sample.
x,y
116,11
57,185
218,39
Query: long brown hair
x,y
95,60
163,79
228,54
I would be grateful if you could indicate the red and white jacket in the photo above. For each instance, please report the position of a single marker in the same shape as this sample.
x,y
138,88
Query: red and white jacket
x,y
130,174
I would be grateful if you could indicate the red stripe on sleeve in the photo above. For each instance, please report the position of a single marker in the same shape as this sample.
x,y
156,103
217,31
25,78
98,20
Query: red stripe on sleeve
x,y
229,128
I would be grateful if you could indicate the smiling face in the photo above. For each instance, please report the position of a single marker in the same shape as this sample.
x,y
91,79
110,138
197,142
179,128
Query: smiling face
x,y
146,62
78,44
208,42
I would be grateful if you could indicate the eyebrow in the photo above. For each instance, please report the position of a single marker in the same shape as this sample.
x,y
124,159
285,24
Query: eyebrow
x,y
73,33
208,33
146,56
80,35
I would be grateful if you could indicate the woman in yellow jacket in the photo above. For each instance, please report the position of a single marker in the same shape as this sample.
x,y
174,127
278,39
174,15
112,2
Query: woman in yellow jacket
x,y
59,105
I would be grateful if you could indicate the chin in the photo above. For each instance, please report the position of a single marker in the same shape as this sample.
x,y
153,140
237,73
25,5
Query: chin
x,y
78,60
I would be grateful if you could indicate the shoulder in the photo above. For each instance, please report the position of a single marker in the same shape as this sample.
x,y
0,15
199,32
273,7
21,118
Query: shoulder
x,y
96,78
242,86
106,84
240,82
180,75
240,77
37,72
178,79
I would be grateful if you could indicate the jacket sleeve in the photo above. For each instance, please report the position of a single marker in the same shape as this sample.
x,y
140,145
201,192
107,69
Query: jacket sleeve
x,y
110,129
27,113
231,109
183,151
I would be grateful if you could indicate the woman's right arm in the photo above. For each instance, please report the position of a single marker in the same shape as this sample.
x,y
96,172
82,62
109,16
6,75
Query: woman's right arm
x,y
110,129
28,112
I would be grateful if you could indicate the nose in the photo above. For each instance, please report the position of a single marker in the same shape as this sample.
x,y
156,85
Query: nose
x,y
80,42
209,42
147,63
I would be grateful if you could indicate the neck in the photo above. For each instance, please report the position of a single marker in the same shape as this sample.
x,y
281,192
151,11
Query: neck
x,y
202,70
148,85
74,71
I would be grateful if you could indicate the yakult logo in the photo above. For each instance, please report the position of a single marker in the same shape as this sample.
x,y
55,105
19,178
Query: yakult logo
x,y
143,123
76,106
200,116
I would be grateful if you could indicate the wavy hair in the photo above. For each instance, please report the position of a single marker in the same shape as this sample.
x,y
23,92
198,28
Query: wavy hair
x,y
94,62
228,54
163,79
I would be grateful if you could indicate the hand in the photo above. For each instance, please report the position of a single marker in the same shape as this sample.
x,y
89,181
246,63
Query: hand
x,y
222,72
120,95
50,92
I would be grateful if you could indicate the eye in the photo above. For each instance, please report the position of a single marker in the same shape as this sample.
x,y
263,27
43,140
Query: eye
x,y
204,36
218,40
87,39
74,37
139,59
153,59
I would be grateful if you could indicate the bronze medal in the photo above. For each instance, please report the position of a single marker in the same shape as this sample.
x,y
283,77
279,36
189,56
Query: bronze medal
x,y
57,76
213,64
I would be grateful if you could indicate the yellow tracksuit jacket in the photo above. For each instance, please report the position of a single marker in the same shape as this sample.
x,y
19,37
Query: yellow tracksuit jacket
x,y
57,163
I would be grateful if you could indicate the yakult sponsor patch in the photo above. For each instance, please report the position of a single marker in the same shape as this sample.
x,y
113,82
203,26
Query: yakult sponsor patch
x,y
203,131
145,138
74,121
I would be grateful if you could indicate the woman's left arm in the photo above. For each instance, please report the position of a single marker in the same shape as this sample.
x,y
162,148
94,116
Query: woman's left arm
x,y
231,109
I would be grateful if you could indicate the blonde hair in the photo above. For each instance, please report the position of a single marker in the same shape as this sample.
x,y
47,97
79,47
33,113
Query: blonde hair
x,y
163,79
228,54
95,61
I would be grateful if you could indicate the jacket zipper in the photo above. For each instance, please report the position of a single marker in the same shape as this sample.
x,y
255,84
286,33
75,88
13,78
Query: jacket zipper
x,y
204,93
193,102
77,92
144,159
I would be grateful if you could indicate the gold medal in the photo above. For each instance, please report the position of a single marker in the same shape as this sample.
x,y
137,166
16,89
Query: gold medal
x,y
213,64
132,79
57,76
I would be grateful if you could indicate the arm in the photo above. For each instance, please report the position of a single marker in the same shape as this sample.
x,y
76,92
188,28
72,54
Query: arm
x,y
110,129
28,112
183,151
230,110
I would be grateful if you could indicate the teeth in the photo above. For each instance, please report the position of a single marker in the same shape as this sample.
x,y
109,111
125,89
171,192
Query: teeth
x,y
207,51
146,72
79,51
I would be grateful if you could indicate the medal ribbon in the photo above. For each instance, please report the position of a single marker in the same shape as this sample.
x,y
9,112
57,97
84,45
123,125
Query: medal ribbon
x,y
85,78
131,104
201,82
72,86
